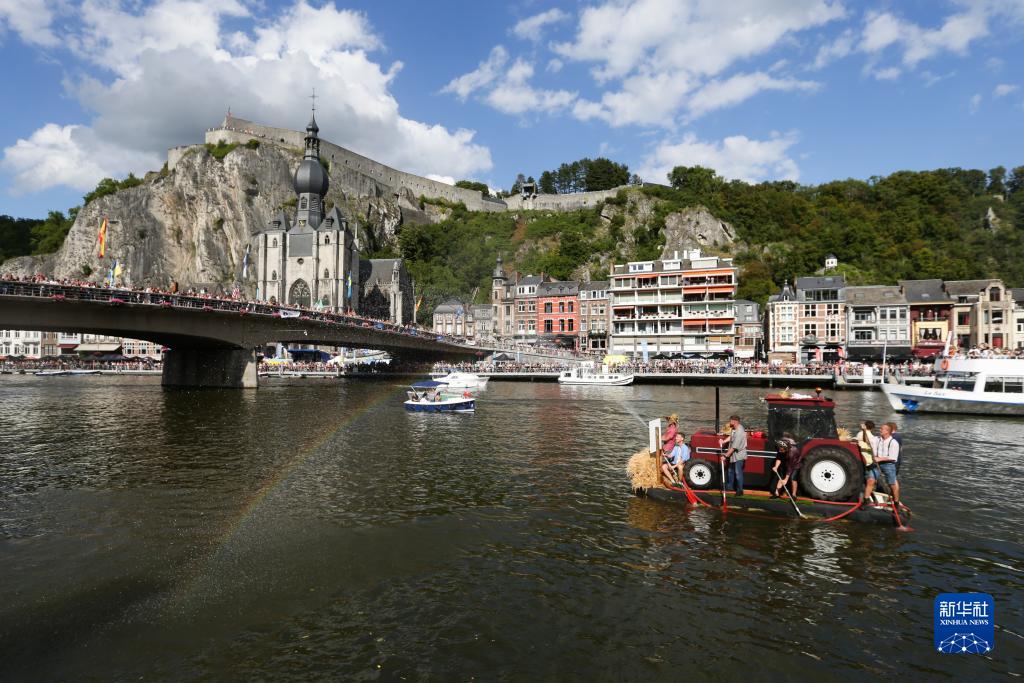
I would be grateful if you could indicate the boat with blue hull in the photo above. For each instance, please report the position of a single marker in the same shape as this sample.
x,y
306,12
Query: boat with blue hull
x,y
430,397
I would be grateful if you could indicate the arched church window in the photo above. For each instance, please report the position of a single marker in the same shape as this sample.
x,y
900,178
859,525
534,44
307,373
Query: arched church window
x,y
273,275
299,294
327,274
327,238
274,242
302,203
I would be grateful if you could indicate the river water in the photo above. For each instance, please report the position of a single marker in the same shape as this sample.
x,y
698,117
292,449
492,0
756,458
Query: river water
x,y
314,529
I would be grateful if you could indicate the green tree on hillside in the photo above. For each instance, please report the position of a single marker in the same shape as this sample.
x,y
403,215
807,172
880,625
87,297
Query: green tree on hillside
x,y
474,185
604,174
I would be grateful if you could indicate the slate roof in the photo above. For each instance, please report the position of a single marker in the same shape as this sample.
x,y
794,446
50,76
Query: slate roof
x,y
450,306
558,288
379,271
821,282
595,285
1018,295
875,295
740,306
962,287
925,292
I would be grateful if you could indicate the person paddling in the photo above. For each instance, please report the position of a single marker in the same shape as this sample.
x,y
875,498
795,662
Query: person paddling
x,y
675,459
886,457
668,439
736,455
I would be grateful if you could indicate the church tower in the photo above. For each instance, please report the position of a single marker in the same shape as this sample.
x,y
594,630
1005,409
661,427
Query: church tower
x,y
310,181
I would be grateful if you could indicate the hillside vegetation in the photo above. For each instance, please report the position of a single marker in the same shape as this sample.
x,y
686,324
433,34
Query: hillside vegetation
x,y
929,224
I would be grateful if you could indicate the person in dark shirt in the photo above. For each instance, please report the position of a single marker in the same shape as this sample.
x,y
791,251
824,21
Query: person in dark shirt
x,y
793,459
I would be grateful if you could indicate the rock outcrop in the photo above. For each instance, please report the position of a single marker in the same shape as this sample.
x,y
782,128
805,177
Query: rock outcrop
x,y
696,228
192,224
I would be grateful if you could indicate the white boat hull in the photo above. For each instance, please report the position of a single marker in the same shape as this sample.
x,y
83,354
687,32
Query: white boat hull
x,y
595,382
910,399
463,381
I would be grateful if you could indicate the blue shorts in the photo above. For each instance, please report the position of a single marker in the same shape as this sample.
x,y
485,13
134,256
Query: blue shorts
x,y
872,473
889,470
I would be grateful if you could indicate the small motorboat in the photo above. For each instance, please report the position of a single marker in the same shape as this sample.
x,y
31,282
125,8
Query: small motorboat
x,y
589,376
431,397
463,380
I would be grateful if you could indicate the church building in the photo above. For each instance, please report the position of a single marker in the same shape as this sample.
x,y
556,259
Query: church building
x,y
316,258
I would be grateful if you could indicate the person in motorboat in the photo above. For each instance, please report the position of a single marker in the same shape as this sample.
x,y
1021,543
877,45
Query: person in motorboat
x,y
437,397
887,456
794,459
736,455
668,439
675,459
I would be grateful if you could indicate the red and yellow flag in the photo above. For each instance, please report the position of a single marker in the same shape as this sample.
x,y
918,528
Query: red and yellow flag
x,y
102,237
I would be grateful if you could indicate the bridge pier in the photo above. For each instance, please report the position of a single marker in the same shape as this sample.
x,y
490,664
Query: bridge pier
x,y
198,367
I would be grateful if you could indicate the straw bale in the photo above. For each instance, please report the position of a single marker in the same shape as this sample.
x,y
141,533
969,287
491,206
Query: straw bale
x,y
643,471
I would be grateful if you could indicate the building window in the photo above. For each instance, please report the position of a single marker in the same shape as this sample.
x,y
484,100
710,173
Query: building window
x,y
832,309
547,327
571,326
533,326
863,335
810,330
303,203
561,307
561,326
273,242
571,306
993,294
583,309
521,307
547,306
963,319
327,239
997,317
273,275
833,330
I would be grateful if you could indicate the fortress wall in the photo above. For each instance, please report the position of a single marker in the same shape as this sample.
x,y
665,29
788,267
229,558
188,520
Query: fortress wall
x,y
561,202
241,131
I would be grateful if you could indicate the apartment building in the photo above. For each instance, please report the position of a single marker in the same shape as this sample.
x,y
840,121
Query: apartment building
x,y
24,343
558,314
780,322
878,319
821,317
1018,317
673,306
931,315
503,301
525,315
983,313
749,330
595,317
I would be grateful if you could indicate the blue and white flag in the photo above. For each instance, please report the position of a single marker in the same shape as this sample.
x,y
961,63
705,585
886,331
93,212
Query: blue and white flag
x,y
288,313
348,284
245,262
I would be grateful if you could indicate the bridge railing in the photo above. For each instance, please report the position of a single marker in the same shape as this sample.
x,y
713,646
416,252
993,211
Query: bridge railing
x,y
64,292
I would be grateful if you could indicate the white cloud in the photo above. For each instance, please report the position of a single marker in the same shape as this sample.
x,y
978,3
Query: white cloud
x,y
887,74
700,38
659,51
446,179
718,94
837,49
177,70
735,157
68,155
483,75
532,27
883,30
554,65
1004,89
30,19
514,94
648,98
975,103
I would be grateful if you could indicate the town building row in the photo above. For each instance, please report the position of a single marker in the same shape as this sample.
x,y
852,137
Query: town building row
x,y
686,306
35,345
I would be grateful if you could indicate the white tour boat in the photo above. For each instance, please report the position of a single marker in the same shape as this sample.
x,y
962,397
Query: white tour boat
x,y
431,397
462,380
593,377
986,386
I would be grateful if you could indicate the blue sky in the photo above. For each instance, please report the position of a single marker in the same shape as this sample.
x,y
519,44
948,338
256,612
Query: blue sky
x,y
810,90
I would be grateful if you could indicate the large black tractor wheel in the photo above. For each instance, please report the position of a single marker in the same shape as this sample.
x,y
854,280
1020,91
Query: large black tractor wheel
x,y
700,474
832,473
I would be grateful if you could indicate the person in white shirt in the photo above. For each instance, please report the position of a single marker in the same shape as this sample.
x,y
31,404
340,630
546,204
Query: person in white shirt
x,y
887,454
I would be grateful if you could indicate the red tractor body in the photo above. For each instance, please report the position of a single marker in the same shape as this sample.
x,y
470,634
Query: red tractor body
x,y
832,469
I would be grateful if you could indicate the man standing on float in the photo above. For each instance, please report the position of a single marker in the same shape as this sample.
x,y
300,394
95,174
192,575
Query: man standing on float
x,y
736,455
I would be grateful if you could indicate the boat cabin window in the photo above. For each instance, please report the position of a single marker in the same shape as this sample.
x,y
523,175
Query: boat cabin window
x,y
802,423
960,380
1005,385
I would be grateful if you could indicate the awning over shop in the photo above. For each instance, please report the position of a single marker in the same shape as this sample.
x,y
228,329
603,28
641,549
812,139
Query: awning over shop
x,y
98,348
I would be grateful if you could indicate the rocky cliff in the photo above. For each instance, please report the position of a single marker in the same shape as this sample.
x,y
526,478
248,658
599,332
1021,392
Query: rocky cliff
x,y
192,223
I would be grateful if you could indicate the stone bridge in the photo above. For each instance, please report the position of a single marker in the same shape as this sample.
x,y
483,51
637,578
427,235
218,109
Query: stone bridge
x,y
212,342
